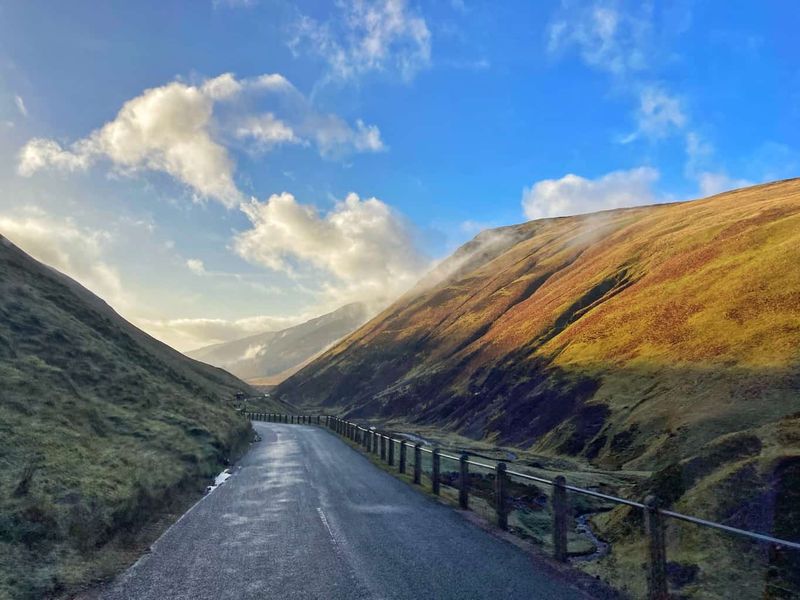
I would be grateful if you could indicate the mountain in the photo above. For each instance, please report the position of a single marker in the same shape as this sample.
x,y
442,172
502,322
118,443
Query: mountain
x,y
103,429
663,339
270,357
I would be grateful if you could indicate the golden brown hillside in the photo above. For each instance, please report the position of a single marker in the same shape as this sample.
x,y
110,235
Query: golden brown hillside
x,y
678,321
663,338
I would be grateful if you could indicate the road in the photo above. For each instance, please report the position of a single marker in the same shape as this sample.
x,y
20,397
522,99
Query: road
x,y
305,516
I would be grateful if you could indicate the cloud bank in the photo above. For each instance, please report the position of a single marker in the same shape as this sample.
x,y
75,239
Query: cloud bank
x,y
186,130
360,250
73,250
573,195
190,334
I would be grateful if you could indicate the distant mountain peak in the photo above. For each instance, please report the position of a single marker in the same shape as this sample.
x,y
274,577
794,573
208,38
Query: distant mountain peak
x,y
267,355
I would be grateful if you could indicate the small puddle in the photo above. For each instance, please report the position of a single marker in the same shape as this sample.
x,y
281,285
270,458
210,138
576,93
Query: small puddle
x,y
219,480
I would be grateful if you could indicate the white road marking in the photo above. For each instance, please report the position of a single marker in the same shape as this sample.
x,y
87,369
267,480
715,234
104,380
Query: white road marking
x,y
327,525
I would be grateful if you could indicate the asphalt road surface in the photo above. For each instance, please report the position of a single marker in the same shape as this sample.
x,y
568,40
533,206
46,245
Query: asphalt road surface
x,y
305,516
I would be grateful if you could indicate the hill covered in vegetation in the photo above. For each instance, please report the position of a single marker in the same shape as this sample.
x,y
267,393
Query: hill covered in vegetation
x,y
662,339
103,430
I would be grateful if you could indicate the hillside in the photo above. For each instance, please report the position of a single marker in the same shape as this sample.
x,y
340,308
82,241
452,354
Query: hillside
x,y
103,430
275,353
663,338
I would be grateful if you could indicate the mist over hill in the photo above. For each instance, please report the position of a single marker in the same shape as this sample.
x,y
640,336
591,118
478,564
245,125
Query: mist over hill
x,y
273,355
103,430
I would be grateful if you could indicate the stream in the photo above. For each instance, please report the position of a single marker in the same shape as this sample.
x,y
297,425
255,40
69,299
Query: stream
x,y
584,528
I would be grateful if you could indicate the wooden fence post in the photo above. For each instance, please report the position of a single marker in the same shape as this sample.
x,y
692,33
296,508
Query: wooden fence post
x,y
418,463
435,475
402,467
500,485
560,519
463,488
383,447
390,443
656,551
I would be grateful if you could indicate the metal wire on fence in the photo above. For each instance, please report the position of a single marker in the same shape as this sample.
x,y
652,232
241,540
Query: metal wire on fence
x,y
654,514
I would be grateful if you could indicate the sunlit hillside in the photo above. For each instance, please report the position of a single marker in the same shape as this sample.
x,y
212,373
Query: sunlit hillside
x,y
663,338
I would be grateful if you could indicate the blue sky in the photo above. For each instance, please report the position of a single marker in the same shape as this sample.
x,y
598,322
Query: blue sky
x,y
218,168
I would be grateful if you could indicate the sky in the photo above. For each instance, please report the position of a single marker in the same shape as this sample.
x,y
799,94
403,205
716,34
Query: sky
x,y
218,168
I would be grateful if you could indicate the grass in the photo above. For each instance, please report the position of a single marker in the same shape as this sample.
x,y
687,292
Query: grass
x,y
105,433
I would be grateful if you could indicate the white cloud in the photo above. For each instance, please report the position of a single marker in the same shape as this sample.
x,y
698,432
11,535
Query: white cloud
x,y
253,351
233,3
716,182
572,194
368,36
40,153
362,249
266,130
174,129
189,334
196,266
23,110
335,138
659,115
222,87
606,37
75,251
165,129
698,151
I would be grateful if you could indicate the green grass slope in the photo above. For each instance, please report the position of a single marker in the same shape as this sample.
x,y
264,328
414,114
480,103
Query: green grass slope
x,y
663,338
102,430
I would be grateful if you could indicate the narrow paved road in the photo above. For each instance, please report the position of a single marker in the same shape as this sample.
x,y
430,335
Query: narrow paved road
x,y
305,516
